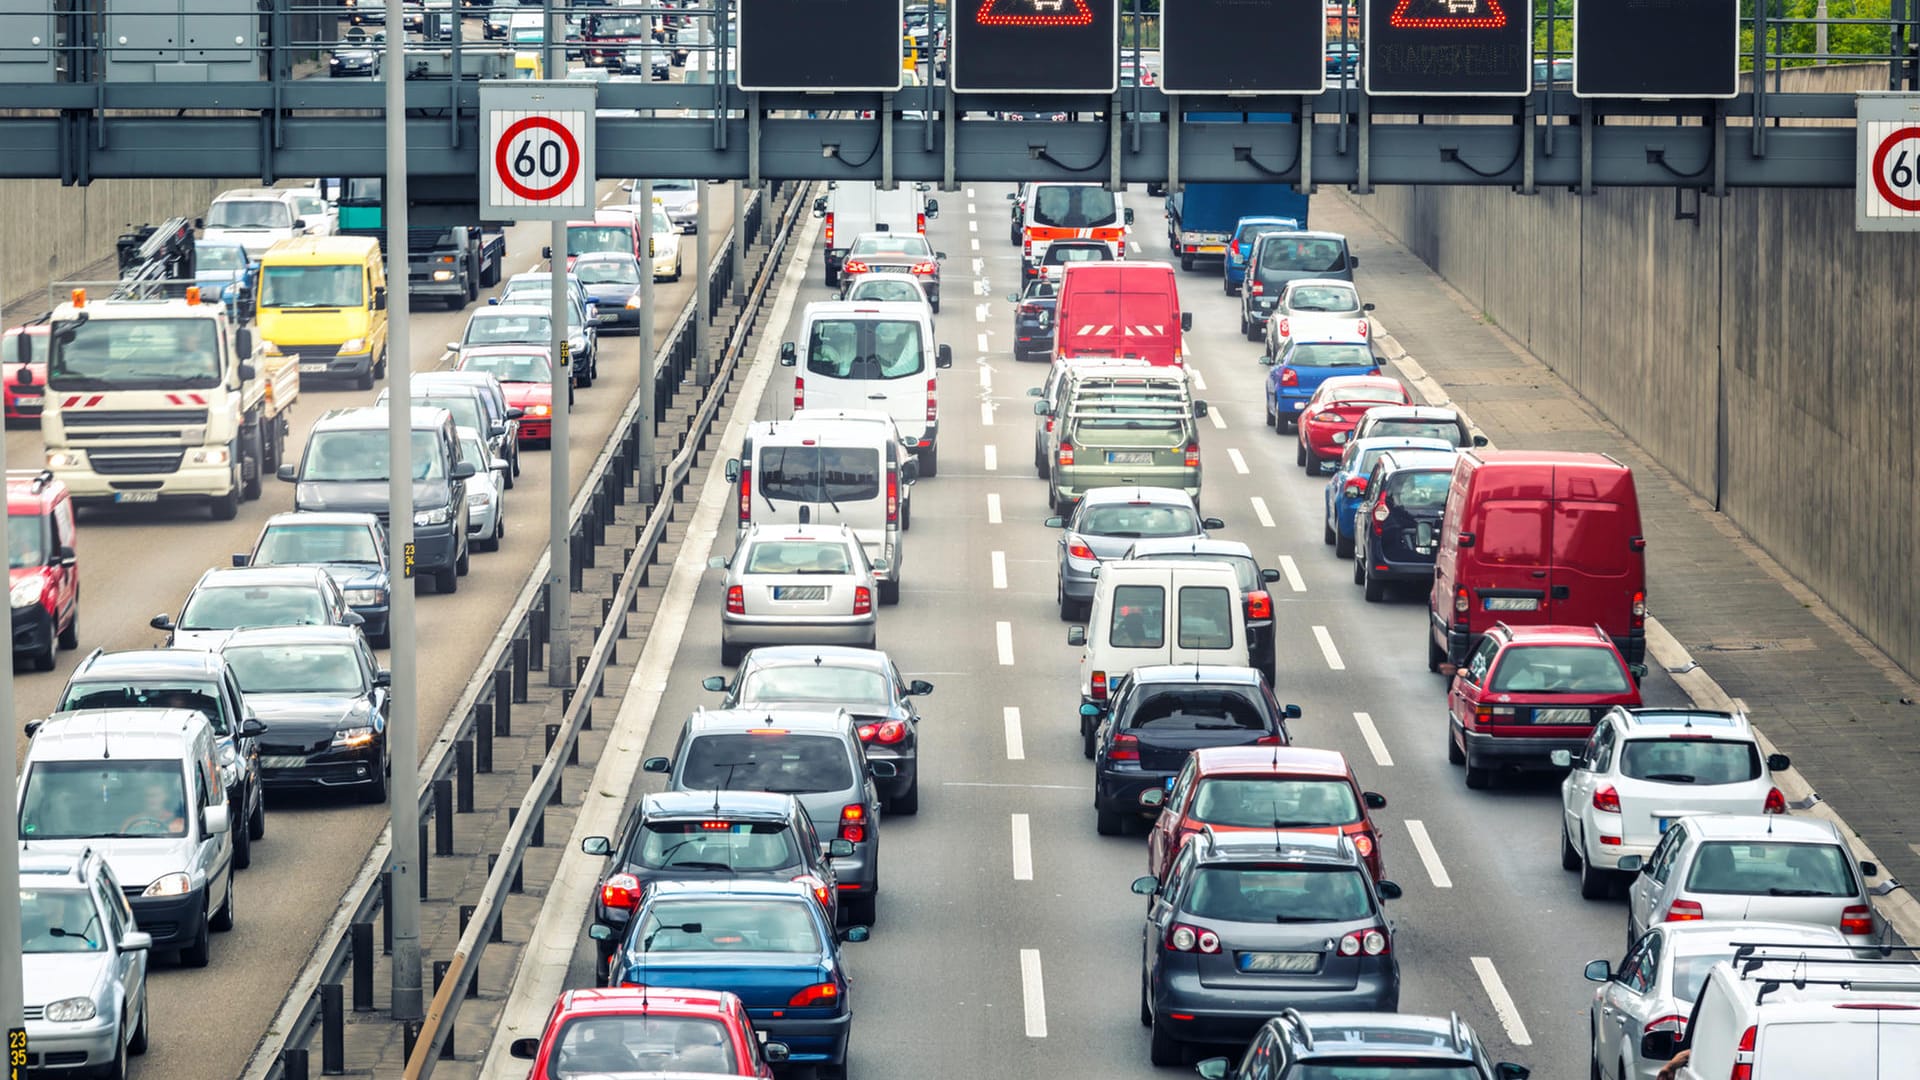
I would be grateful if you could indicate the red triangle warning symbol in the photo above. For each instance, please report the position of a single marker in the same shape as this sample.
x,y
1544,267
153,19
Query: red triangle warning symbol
x,y
1034,13
1448,15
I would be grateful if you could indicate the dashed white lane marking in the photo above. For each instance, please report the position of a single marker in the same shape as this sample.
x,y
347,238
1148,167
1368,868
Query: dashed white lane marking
x,y
1260,511
1022,849
972,225
1371,734
537,264
1219,420
1003,637
993,505
984,347
1016,743
1429,855
969,195
608,197
1032,989
1327,650
1135,245
970,208
1291,570
982,287
975,242
979,267
1239,463
1503,1005
999,569
1199,380
979,313
993,458
986,414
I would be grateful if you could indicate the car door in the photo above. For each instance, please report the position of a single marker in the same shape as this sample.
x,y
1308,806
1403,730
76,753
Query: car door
x,y
1623,1000
66,571
1163,842
130,966
1465,692
1576,791
246,746
1644,895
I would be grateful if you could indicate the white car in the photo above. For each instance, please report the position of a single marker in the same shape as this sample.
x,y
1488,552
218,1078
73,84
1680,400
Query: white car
x,y
665,242
1316,308
486,493
313,208
885,286
797,585
1641,769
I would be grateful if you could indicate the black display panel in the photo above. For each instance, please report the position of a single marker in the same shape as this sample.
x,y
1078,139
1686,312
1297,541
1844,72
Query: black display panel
x,y
1035,46
781,44
1453,48
1243,46
1656,48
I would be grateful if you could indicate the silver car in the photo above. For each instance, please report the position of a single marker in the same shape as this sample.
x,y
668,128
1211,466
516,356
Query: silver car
x,y
1753,866
1104,525
85,964
486,493
1639,1013
797,585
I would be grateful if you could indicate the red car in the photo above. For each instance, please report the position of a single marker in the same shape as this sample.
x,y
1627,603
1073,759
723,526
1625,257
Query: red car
x,y
526,377
45,575
626,1031
1251,789
1526,691
24,397
1335,410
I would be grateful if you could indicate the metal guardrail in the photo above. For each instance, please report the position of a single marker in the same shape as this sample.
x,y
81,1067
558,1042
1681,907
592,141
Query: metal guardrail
x,y
485,710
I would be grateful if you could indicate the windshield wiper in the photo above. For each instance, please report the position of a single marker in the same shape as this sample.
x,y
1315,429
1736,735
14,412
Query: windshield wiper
x,y
1797,892
698,864
1672,777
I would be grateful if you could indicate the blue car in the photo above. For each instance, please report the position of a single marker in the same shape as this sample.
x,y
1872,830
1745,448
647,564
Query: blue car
x,y
769,942
1356,463
1241,246
1299,371
222,269
351,548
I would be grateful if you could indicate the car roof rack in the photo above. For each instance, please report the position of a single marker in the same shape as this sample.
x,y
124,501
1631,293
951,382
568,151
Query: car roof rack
x,y
1458,1030
1299,1022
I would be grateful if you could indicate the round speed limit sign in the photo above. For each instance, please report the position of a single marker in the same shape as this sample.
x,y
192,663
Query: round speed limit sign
x,y
1896,167
536,158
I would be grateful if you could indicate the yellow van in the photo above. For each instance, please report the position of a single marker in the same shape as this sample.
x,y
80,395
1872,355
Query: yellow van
x,y
325,298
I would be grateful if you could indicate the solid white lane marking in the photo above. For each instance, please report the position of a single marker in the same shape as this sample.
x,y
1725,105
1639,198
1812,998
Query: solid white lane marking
x,y
1429,855
1022,849
538,263
993,458
984,347
986,414
1327,650
993,506
1219,420
999,569
979,313
1503,1005
1003,636
1199,380
1239,463
1374,743
608,197
1016,744
972,225
1034,992
1292,572
1260,511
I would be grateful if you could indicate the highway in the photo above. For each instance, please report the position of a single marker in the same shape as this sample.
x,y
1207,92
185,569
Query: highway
x,y
137,563
1007,942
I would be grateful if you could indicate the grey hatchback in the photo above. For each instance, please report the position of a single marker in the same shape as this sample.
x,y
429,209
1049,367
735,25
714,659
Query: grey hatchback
x,y
1105,523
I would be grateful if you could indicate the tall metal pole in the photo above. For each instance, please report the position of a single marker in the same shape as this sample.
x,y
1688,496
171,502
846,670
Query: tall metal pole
x,y
12,993
702,244
560,486
740,241
649,378
403,739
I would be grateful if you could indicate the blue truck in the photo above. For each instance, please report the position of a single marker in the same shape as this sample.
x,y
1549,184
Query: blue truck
x,y
1201,219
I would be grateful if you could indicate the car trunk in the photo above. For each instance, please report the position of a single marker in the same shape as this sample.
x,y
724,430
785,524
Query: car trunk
x,y
1142,441
763,980
1407,536
798,595
1166,743
1276,957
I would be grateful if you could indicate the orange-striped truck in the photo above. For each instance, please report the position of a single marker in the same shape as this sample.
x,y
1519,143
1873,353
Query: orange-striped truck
x,y
1052,212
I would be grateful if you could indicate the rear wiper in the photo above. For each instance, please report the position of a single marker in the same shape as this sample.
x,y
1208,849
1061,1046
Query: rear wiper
x,y
1672,777
698,864
1796,892
1216,727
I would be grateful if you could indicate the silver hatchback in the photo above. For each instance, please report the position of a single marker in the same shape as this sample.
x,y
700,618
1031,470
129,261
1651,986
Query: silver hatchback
x,y
797,585
85,965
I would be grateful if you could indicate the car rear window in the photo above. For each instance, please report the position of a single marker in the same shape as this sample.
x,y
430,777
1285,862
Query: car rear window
x,y
1314,255
1690,761
1198,709
1275,802
1559,669
1322,298
1058,206
1139,617
819,474
798,557
109,693
1284,894
582,239
632,1044
1066,253
718,845
1137,520
1382,1065
1206,617
865,349
1767,867
767,760
273,605
1331,354
1417,429
1360,393
1244,568
728,926
904,291
1420,490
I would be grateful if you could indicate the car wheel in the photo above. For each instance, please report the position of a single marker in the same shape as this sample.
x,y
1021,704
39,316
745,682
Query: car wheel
x,y
257,821
1343,549
376,792
1595,883
1108,823
730,654
200,951
1165,1049
1372,588
223,919
242,848
1569,857
381,640
117,1068
1226,284
827,1071
1479,779
1359,572
907,802
464,563
1272,420
1146,1007
1326,534
934,303
1300,455
1455,755
1086,739
138,1044
43,659
446,581
889,592
860,910
70,637
1248,334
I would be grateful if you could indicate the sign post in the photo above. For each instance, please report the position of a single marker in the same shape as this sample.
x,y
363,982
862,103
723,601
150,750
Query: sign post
x,y
868,48
1887,187
1035,46
1243,47
1449,48
1669,50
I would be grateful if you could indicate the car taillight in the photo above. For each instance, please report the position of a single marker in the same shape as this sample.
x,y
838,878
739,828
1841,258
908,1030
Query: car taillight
x,y
1099,686
1026,248
1460,601
1380,513
1685,911
799,392
1289,377
1660,1036
1066,452
829,229
893,498
926,266
1487,714
862,600
853,823
746,493
736,600
1184,938
1776,802
855,266
1233,249
1193,455
1371,942
1125,748
1639,609
1363,843
1856,919
1031,309
933,402
621,891
1284,329
1743,1055
1257,289
920,224
1607,799
1079,550
1260,605
819,888
825,993
885,734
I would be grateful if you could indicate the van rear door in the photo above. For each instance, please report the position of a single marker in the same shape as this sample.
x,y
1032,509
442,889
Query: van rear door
x,y
1126,627
1596,568
1118,309
811,484
1207,627
1507,569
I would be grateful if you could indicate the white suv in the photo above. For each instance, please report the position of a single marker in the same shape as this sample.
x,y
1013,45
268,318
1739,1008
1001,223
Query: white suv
x,y
1795,1011
1641,769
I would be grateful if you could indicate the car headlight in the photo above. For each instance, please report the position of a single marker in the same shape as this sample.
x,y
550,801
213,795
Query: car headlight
x,y
354,345
439,515
27,591
364,597
66,459
443,275
353,736
479,498
633,302
208,455
540,410
169,885
228,755
69,1010
268,348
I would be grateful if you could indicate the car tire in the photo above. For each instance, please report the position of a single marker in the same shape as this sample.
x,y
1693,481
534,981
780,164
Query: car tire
x,y
382,640
44,659
1146,1006
365,381
200,951
1435,656
138,1043
1595,884
1087,732
117,1068
1359,572
889,592
907,802
860,910
1343,549
1372,588
1479,779
446,581
1570,858
1244,332
1255,330
1300,454
375,793
1108,823
929,459
1186,263
934,303
70,637
1326,533
1164,1049
464,563
1273,420
1227,285
224,918
829,1071
1455,755
242,848
257,821
730,654
906,514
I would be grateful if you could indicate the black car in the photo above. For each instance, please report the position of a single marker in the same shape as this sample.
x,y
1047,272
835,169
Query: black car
x,y
324,700
1158,715
1033,315
1293,1045
706,835
1396,528
358,56
1060,253
864,682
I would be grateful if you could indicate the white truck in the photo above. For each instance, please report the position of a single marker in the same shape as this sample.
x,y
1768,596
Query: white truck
x,y
162,400
852,207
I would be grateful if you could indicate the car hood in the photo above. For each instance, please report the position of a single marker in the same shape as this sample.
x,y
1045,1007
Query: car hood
x,y
57,976
136,861
288,714
365,495
522,394
676,199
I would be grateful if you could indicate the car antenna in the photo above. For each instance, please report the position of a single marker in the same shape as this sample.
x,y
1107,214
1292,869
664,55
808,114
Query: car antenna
x,y
727,784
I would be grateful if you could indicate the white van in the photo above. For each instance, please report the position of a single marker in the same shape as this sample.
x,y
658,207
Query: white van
x,y
141,786
1796,1011
852,207
819,469
873,355
256,219
1131,623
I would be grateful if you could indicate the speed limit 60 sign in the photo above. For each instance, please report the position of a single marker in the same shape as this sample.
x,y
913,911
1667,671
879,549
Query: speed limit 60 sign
x,y
536,150
1887,187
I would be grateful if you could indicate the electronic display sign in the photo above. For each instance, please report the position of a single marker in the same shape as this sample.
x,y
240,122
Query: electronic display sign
x,y
1449,48
1243,46
1656,48
1034,46
776,51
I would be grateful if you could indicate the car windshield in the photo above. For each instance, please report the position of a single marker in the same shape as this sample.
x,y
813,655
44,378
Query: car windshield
x,y
798,557
157,694
1197,709
297,669
1770,868
1269,894
1136,520
361,455
1559,669
465,409
26,540
584,238
121,797
1411,428
220,256
777,761
311,286
230,607
511,367
295,545
816,474
1274,802
1371,1067
310,207
814,683
1323,298
1683,760
1244,568
1061,206
639,1044
782,926
249,214
607,272
886,289
511,328
865,349
743,846
1331,354
135,354
1420,490
1303,254
60,921
661,224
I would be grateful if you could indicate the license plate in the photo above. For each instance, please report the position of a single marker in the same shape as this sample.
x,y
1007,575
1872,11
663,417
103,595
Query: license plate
x,y
1213,249
609,316
279,762
1513,603
1562,716
314,369
799,592
136,496
1129,457
1287,962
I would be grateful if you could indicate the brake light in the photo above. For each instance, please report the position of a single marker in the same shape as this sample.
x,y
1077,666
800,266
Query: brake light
x,y
1460,601
1270,740
1125,748
1079,550
1031,309
1233,249
1289,377
920,224
825,993
746,492
1380,513
1099,686
1260,605
1193,455
855,266
885,734
1485,714
1363,843
829,229
1026,248
893,497
933,402
1639,608
1258,289
1743,1055
1607,799
621,891
736,600
799,392
1184,938
926,266
862,600
1687,911
1066,452
1371,942
820,890
1660,1036
1857,919
1285,328
853,822
1776,802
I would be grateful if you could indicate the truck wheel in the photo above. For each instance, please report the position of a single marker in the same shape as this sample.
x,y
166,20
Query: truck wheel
x,y
1186,262
226,507
252,451
446,581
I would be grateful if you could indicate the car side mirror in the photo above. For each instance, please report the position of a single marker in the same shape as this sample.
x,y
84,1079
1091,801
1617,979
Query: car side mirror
x,y
65,555
1077,636
379,299
463,470
597,845
933,208
1036,391
1507,1070
1291,712
31,726
1354,490
732,470
1269,576
1778,763
1012,196
882,565
383,677
838,848
1353,260
715,683
251,728
787,355
1213,1068
855,934
910,472
1147,886
1041,408
1212,523
300,223
1366,307
1055,522
1464,540
1561,759
354,618
1481,440
883,770
1389,890
524,1049
776,1053
944,357
1128,215
161,621
241,558
717,562
247,372
1374,800
136,941
600,932
214,820
1632,864
1869,869
820,206
1186,320
284,472
514,414
1014,298
919,688
1153,798
655,765
1598,971
1199,407
454,346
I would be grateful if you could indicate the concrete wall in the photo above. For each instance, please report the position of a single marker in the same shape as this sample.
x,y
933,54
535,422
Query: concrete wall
x,y
1770,311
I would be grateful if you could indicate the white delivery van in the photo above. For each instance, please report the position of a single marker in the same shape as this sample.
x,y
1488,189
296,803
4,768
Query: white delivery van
x,y
852,207
256,219
142,787
829,471
1156,612
1793,1011
873,355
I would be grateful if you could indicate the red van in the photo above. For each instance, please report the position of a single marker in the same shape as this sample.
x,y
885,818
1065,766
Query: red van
x,y
1120,308
1534,538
